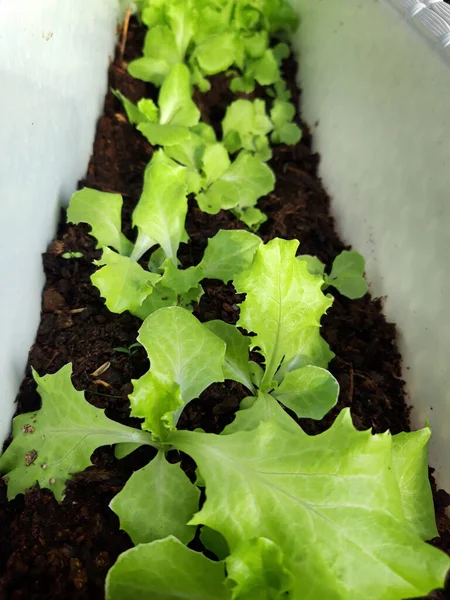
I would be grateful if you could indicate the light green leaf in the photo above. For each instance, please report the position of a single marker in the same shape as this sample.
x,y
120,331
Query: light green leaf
x,y
164,135
217,52
285,131
175,99
57,441
157,501
103,212
246,85
149,110
410,460
254,410
313,264
123,283
185,358
310,349
180,280
310,392
182,17
256,44
256,570
247,180
189,153
165,570
251,216
160,55
135,116
228,253
214,542
215,162
161,212
347,275
265,69
337,490
283,299
236,365
246,126
163,297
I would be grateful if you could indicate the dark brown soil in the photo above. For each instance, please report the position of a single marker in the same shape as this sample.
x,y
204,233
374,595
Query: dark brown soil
x,y
60,551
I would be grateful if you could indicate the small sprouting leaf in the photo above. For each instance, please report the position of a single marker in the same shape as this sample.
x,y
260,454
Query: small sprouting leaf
x,y
103,212
410,460
337,489
69,255
228,253
310,392
165,570
256,569
313,264
160,55
185,358
251,216
149,110
347,275
135,116
215,162
162,297
247,180
180,280
122,282
157,501
161,213
236,365
265,69
285,131
246,125
254,410
57,441
283,299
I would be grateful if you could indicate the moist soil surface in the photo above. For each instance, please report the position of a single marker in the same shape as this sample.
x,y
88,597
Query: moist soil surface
x,y
60,551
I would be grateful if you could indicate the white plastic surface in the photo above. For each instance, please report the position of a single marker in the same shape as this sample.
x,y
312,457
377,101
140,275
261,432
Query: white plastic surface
x,y
53,74
380,95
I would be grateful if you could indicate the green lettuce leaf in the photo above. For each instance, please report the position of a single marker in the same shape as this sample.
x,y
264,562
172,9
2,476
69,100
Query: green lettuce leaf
x,y
165,570
247,180
134,114
228,253
347,275
251,216
157,501
256,570
122,282
163,297
217,52
246,125
236,366
285,131
57,441
160,55
103,212
337,490
185,359
283,299
161,212
310,392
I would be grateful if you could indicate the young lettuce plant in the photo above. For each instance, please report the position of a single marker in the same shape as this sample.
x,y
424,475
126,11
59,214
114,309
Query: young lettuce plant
x,y
217,182
159,218
347,273
358,498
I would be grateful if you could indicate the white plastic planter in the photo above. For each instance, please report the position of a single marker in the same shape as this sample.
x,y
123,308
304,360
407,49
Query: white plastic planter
x,y
378,95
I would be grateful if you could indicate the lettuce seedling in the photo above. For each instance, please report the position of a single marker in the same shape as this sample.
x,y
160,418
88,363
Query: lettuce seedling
x,y
284,130
347,273
246,125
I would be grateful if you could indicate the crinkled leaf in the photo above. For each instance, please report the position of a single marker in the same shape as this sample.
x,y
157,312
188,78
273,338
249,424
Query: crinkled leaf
x,y
338,490
217,53
160,55
410,460
122,282
254,410
310,392
236,365
103,212
283,299
347,274
165,570
57,441
246,126
182,17
185,358
247,180
256,569
228,253
251,216
161,212
157,501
